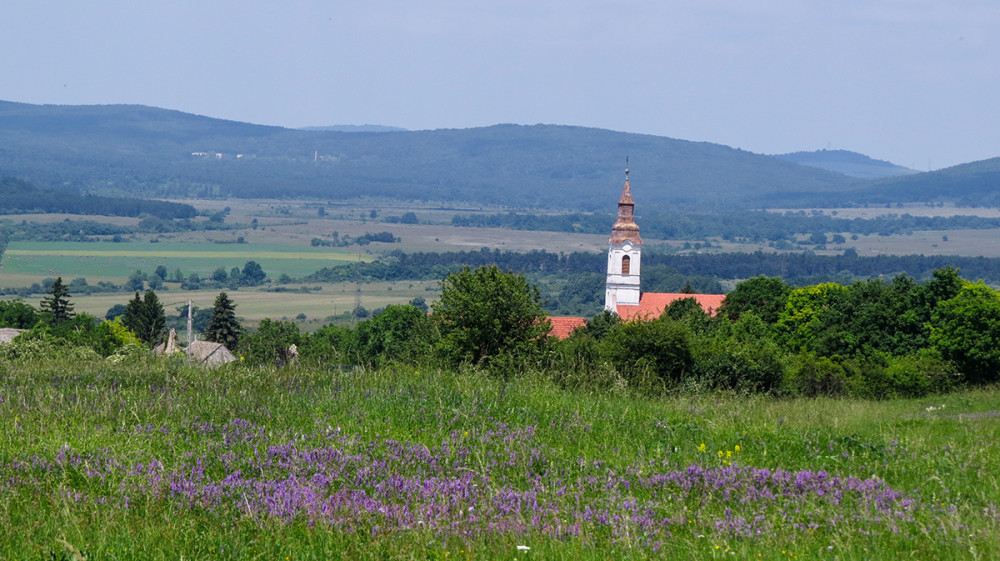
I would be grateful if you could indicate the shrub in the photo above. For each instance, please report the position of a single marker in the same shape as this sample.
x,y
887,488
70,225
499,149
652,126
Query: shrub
x,y
811,377
661,347
730,364
916,375
269,344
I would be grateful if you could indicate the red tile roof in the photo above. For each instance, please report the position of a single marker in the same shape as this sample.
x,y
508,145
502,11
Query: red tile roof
x,y
563,326
652,304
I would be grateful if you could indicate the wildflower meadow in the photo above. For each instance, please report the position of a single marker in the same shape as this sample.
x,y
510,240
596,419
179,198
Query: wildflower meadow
x,y
152,459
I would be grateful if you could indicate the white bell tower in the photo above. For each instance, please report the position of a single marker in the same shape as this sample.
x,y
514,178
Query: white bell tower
x,y
624,255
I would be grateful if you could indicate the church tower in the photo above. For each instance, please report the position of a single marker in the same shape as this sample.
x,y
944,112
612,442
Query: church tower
x,y
623,255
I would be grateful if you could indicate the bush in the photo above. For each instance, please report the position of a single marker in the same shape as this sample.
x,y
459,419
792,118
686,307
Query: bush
x,y
729,364
916,375
812,377
331,344
269,344
17,314
661,347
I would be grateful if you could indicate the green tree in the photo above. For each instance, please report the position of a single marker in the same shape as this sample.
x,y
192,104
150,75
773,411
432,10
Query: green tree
x,y
484,312
115,311
397,333
799,323
763,296
966,328
136,281
329,344
17,314
269,344
420,304
161,271
601,324
144,316
223,327
252,274
56,307
872,317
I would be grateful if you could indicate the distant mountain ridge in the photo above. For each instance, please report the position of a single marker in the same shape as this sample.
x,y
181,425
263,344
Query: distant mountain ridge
x,y
848,163
152,152
355,128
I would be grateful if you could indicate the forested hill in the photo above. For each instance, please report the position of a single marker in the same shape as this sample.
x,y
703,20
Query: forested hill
x,y
17,196
847,163
149,152
973,184
155,152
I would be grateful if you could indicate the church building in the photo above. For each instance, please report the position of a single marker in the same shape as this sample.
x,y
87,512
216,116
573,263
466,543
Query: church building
x,y
623,293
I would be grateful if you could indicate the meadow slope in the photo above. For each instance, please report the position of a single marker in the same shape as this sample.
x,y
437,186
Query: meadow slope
x,y
148,459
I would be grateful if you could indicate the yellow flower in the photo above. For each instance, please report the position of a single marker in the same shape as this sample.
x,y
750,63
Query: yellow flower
x,y
701,447
737,448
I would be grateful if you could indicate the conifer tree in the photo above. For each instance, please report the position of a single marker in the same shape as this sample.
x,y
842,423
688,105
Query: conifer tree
x,y
56,306
223,327
144,315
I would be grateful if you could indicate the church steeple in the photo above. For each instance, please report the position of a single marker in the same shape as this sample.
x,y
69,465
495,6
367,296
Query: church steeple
x,y
624,253
625,227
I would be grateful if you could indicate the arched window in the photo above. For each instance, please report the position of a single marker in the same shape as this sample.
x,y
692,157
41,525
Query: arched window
x,y
626,264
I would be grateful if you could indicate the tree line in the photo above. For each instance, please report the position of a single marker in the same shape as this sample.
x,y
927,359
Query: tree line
x,y
19,197
797,268
746,226
871,338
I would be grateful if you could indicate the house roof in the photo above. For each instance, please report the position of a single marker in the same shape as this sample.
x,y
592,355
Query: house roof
x,y
652,304
7,334
562,326
210,354
650,307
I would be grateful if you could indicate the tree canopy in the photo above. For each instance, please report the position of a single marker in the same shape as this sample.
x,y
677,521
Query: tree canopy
x,y
484,312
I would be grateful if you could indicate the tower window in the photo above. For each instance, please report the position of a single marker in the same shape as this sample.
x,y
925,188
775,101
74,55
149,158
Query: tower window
x,y
626,264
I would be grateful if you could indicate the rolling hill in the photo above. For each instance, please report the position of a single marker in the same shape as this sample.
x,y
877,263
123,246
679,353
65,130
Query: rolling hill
x,y
149,152
145,151
848,163
972,184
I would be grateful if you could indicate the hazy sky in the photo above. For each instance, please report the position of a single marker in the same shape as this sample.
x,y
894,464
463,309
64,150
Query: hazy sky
x,y
916,82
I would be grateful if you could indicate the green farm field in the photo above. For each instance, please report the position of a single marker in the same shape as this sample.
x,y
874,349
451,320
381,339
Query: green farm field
x,y
119,260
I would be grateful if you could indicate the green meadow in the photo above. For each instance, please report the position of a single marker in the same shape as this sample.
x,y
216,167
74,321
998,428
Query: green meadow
x,y
119,260
139,458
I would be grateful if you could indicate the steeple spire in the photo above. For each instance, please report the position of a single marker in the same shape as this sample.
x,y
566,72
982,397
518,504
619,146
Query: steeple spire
x,y
625,227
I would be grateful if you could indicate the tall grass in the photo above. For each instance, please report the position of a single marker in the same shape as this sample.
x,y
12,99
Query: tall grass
x,y
150,459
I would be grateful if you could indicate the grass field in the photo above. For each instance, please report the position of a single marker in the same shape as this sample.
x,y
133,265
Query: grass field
x,y
119,260
253,305
152,460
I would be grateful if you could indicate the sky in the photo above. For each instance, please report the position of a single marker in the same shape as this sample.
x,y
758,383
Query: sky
x,y
914,82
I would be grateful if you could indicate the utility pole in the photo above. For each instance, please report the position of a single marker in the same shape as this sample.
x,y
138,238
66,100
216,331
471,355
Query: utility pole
x,y
188,349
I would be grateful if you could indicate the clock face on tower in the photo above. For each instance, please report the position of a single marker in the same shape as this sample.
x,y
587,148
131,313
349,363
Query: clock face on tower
x,y
627,246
